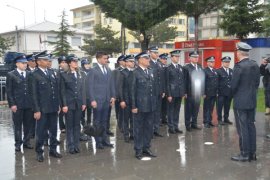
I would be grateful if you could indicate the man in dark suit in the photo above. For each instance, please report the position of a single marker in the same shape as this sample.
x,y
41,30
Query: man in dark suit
x,y
19,100
210,92
125,97
224,91
144,104
159,85
163,62
245,83
192,102
101,95
175,78
45,97
116,77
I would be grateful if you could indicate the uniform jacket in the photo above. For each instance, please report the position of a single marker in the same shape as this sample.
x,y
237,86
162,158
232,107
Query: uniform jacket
x,y
45,92
189,68
143,91
72,89
224,82
266,76
160,76
116,75
101,87
175,80
211,82
18,90
124,86
245,83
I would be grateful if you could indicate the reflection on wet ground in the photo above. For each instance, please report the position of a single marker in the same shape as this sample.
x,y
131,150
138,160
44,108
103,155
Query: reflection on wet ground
x,y
183,156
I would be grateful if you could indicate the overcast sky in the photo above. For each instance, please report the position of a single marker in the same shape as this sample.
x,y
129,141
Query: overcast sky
x,y
48,9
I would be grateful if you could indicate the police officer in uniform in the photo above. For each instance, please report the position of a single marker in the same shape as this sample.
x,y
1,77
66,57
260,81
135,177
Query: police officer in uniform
x,y
45,97
143,104
73,96
210,92
191,104
245,83
224,91
19,100
116,76
62,62
163,62
125,97
175,78
159,85
265,72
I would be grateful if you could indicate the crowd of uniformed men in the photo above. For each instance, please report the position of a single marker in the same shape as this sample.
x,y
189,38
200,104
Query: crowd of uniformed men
x,y
146,91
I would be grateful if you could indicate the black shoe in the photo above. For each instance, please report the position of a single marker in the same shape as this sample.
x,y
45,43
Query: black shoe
x,y
71,151
28,146
55,154
252,157
157,134
17,148
40,158
207,125
139,155
240,157
178,131
99,146
228,122
110,133
77,150
171,131
105,144
188,129
195,127
211,124
126,138
268,136
221,123
131,138
149,153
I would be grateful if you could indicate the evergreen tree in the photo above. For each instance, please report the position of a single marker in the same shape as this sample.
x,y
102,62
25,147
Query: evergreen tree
x,y
242,17
140,15
161,33
62,46
195,8
5,44
105,41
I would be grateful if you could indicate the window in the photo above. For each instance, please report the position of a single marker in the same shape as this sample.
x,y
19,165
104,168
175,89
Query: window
x,y
77,14
76,41
181,21
51,38
181,33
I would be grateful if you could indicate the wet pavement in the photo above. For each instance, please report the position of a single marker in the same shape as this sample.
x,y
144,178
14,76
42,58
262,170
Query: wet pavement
x,y
183,156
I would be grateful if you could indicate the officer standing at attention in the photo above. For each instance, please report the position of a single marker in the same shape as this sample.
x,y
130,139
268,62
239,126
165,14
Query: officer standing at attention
x,y
245,83
116,76
19,100
102,95
62,62
191,104
224,91
159,85
210,92
175,78
144,105
163,62
45,95
265,72
73,96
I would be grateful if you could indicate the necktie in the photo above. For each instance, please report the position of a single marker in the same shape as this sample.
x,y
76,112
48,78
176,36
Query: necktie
x,y
22,76
104,70
146,71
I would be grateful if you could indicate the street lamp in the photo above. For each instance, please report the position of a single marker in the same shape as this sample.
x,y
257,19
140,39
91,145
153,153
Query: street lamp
x,y
25,47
